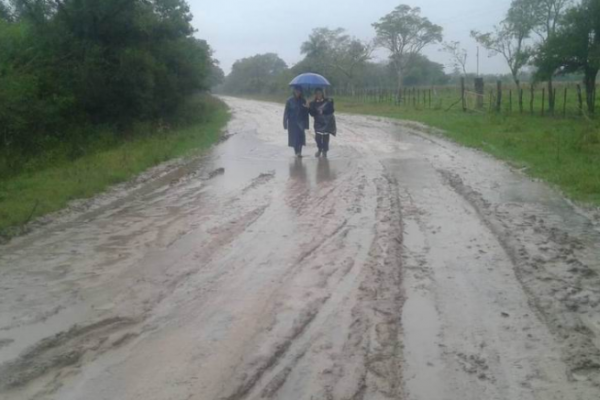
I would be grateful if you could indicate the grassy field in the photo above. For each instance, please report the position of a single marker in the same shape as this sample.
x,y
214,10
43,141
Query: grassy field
x,y
50,188
562,151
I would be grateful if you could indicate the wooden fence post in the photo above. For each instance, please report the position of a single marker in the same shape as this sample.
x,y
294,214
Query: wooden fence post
x,y
531,99
521,101
479,90
430,98
499,96
543,101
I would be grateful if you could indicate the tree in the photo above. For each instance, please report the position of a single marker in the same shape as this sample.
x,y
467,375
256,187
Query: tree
x,y
459,55
575,47
508,43
405,33
36,11
217,76
5,11
547,16
71,63
544,17
423,71
256,74
333,52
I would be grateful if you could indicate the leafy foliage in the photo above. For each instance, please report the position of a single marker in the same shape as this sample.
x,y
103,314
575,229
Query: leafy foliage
x,y
261,73
575,47
336,54
405,33
508,40
69,65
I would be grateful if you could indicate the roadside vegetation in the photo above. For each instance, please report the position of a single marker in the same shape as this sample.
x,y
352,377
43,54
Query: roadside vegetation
x,y
563,152
541,117
93,92
110,160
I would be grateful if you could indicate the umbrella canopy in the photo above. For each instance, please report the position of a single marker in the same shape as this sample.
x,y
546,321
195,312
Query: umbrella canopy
x,y
310,81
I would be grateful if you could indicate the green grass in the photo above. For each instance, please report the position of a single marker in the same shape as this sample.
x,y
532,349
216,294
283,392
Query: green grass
x,y
35,193
562,151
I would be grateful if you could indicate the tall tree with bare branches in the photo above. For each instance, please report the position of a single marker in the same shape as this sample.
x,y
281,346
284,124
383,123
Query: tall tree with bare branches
x,y
405,33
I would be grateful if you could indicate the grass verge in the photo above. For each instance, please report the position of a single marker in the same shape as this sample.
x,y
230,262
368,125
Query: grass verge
x,y
562,151
36,193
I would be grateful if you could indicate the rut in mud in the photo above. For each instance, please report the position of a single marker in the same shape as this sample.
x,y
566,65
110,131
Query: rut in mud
x,y
403,267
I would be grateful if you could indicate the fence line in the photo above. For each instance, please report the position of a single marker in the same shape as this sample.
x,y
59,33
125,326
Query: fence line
x,y
500,99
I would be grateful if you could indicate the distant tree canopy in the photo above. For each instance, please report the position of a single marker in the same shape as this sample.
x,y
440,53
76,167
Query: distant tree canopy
x,y
540,40
405,33
257,74
337,55
423,71
346,60
5,12
250,76
77,62
343,59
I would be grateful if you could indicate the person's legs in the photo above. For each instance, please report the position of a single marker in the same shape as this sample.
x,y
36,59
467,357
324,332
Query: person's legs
x,y
296,140
319,140
325,145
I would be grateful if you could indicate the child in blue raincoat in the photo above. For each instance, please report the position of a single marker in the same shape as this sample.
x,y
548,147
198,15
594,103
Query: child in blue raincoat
x,y
295,120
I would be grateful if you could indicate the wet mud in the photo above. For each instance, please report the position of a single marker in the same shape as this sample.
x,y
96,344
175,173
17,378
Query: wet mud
x,y
401,267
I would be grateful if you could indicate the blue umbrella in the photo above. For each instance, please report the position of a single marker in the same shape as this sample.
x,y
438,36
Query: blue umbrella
x,y
310,81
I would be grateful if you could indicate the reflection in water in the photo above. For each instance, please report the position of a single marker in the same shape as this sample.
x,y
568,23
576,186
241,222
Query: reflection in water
x,y
297,189
324,172
298,170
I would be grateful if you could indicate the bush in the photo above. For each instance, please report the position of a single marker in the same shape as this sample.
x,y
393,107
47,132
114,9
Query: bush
x,y
68,72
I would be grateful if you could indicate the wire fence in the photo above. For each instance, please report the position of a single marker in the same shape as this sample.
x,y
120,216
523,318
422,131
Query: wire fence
x,y
565,99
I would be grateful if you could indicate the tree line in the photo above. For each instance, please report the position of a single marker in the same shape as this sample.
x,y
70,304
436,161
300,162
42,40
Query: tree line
x,y
67,66
346,61
540,41
554,38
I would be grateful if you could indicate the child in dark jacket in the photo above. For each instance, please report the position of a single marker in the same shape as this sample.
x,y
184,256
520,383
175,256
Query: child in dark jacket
x,y
322,109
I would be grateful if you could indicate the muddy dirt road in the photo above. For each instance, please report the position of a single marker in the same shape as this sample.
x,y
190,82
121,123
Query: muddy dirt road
x,y
404,267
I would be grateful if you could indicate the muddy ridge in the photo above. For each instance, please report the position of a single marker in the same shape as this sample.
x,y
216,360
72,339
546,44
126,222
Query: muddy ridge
x,y
401,267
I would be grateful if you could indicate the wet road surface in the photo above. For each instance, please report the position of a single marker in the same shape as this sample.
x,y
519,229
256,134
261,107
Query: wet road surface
x,y
402,267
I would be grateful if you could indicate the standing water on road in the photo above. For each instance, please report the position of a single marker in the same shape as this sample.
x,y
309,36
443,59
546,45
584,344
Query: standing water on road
x,y
402,267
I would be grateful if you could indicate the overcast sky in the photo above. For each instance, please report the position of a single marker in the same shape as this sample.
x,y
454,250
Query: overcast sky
x,y
241,28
